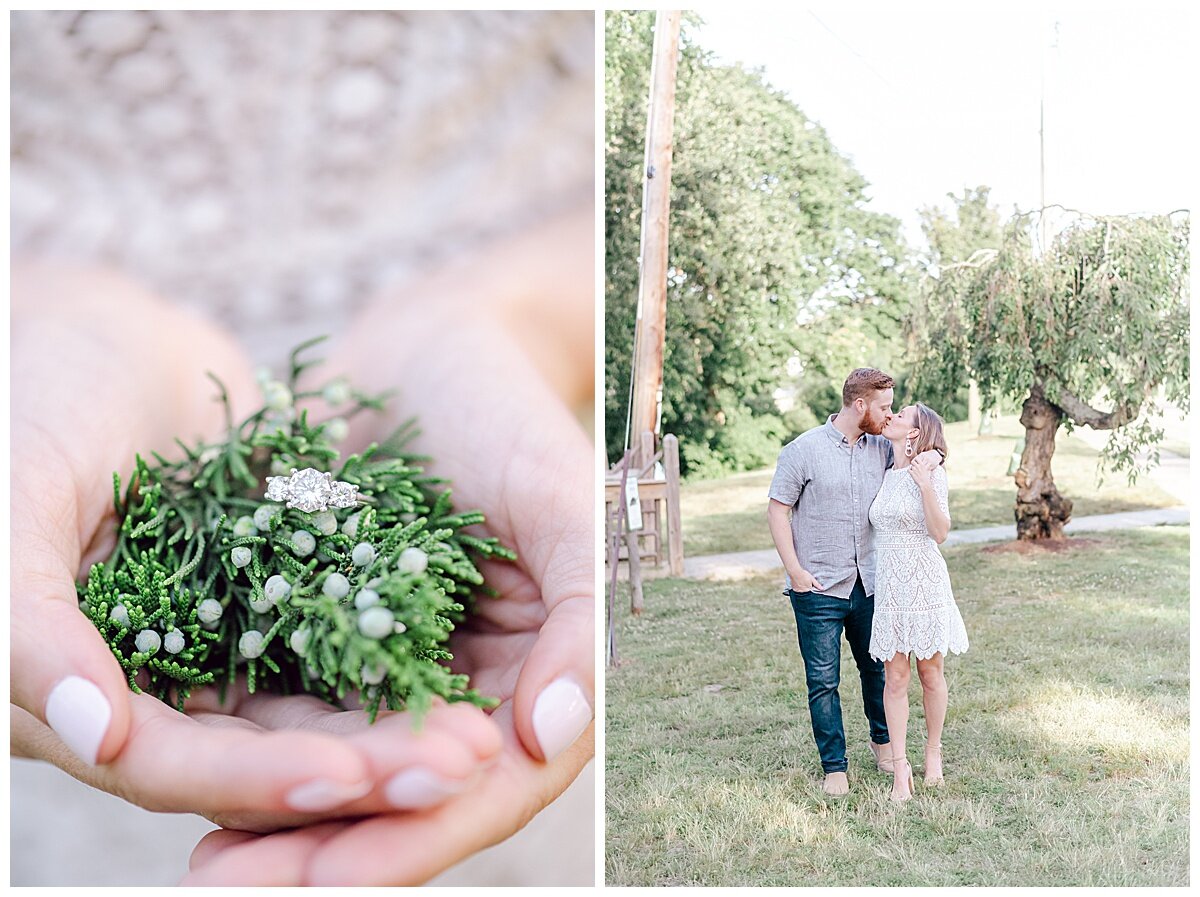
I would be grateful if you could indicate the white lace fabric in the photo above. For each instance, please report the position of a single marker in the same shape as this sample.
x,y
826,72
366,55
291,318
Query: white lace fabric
x,y
277,169
915,609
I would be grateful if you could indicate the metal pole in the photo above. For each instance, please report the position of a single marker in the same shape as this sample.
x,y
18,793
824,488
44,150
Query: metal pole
x,y
614,560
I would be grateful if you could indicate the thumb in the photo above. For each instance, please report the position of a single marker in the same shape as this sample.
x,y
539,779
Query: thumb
x,y
553,701
61,670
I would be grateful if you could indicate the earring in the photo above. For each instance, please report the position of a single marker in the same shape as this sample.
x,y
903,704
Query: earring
x,y
908,449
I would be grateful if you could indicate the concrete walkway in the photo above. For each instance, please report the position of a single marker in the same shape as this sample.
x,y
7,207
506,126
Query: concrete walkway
x,y
744,564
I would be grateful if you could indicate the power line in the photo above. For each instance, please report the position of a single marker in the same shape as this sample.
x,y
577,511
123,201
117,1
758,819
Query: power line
x,y
853,51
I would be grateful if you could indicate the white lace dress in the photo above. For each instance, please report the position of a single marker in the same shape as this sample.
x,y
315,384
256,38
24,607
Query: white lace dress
x,y
914,605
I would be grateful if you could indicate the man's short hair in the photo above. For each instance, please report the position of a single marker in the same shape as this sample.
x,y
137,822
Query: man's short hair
x,y
862,382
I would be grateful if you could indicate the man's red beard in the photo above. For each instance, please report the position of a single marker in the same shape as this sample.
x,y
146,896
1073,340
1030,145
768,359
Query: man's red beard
x,y
873,425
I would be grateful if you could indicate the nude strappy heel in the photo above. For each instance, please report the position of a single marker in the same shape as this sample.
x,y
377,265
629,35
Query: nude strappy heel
x,y
907,774
939,778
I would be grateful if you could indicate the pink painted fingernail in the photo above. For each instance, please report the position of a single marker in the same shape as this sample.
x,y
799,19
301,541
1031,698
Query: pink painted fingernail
x,y
324,794
419,787
79,713
560,714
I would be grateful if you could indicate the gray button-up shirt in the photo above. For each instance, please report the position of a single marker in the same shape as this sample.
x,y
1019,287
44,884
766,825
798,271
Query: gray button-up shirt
x,y
830,485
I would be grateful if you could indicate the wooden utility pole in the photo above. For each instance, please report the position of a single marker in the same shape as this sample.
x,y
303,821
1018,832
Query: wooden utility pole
x,y
645,413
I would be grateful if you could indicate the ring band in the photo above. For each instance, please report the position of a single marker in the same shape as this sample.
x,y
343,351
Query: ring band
x,y
311,490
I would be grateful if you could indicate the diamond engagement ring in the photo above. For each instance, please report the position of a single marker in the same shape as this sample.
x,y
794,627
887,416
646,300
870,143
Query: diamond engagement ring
x,y
311,490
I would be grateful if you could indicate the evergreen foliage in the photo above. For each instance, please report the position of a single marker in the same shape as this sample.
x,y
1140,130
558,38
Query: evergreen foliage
x,y
209,581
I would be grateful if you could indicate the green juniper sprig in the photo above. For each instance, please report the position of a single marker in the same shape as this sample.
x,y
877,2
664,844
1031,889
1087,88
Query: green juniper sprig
x,y
209,581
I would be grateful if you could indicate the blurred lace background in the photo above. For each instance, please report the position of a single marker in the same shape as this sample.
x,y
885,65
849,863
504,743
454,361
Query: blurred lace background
x,y
276,170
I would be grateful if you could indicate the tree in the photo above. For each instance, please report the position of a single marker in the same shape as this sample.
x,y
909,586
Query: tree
x,y
974,225
769,237
1100,318
954,237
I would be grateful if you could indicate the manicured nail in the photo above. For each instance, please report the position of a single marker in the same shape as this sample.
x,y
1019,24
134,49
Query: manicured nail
x,y
418,788
560,714
78,711
324,794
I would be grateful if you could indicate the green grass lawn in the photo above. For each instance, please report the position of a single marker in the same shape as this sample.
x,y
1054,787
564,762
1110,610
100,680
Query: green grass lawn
x,y
730,514
1066,744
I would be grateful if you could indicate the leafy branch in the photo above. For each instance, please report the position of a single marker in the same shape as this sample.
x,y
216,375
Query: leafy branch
x,y
208,581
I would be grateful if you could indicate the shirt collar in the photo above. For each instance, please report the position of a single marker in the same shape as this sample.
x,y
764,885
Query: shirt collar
x,y
836,435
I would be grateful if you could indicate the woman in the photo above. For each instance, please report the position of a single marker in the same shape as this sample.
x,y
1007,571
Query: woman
x,y
915,611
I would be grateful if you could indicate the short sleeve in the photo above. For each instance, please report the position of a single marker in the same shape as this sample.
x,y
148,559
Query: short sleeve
x,y
941,490
790,476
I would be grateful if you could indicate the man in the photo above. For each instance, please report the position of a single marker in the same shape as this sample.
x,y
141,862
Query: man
x,y
826,479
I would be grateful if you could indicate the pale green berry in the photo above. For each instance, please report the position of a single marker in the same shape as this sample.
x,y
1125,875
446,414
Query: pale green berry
x,y
336,392
304,541
277,396
376,622
337,429
413,560
276,588
274,423
209,611
251,644
120,614
148,641
336,586
261,603
299,640
350,527
373,673
366,598
240,556
173,641
325,523
400,627
263,516
244,527
363,555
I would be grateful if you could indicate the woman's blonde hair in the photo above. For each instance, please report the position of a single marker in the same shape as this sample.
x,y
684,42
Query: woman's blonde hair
x,y
933,434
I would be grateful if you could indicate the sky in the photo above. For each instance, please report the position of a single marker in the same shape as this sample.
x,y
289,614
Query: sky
x,y
928,100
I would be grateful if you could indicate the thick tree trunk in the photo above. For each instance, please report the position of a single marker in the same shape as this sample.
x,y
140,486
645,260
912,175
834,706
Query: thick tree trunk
x,y
1041,512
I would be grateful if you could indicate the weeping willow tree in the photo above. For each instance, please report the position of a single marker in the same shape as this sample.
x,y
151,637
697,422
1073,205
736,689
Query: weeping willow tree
x,y
1093,331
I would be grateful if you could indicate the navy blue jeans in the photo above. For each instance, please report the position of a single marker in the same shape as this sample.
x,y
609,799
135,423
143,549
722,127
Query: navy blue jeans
x,y
820,621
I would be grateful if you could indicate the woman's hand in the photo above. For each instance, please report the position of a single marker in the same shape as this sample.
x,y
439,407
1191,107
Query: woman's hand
x,y
937,518
103,370
494,426
920,474
922,467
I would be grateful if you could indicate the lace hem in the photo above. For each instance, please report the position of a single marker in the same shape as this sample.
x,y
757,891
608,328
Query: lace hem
x,y
922,633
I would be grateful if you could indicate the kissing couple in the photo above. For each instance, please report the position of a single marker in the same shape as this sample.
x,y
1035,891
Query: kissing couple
x,y
866,494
